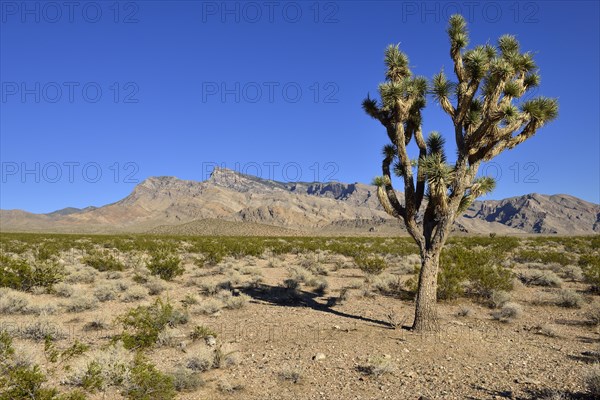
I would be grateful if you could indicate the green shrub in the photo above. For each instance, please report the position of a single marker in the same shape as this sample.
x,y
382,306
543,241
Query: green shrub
x,y
20,383
590,265
475,271
371,265
545,257
92,380
143,324
202,332
20,275
165,264
103,261
148,383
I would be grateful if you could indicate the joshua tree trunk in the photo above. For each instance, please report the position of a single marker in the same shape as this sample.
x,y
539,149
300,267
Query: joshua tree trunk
x,y
488,118
426,318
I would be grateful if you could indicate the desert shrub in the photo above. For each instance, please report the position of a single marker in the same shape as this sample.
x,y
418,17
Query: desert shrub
x,y
569,299
168,337
590,265
42,329
148,383
371,265
498,298
165,264
508,312
186,381
540,278
202,360
237,302
573,273
224,357
208,307
46,251
291,283
143,324
545,256
593,314
202,332
109,366
21,275
472,271
134,293
81,302
155,287
105,292
344,295
25,383
63,289
103,261
24,380
82,275
13,302
386,284
592,381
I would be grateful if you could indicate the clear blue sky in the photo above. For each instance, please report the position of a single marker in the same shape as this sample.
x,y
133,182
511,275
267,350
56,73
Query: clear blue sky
x,y
150,88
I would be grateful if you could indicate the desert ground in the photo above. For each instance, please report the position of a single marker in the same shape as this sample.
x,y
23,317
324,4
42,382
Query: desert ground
x,y
190,317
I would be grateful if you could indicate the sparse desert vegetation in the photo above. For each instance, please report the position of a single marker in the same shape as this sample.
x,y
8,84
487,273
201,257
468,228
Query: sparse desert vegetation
x,y
283,317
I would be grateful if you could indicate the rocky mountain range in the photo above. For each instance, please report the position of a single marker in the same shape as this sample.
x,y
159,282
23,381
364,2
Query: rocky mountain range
x,y
233,203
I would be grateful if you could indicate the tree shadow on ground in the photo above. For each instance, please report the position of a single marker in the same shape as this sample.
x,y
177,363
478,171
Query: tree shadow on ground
x,y
281,296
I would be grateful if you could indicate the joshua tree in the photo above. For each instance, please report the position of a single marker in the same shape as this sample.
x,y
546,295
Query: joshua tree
x,y
488,119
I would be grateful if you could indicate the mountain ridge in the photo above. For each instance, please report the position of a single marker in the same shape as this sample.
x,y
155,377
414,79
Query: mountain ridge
x,y
163,202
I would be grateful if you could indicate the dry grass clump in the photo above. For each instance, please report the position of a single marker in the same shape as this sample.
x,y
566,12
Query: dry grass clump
x,y
207,307
378,366
81,302
464,311
82,274
545,330
206,358
155,286
593,314
498,298
169,337
42,329
592,381
13,302
228,387
540,278
105,292
569,299
134,293
96,324
203,359
63,289
236,302
99,369
573,273
387,284
290,374
508,312
186,381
